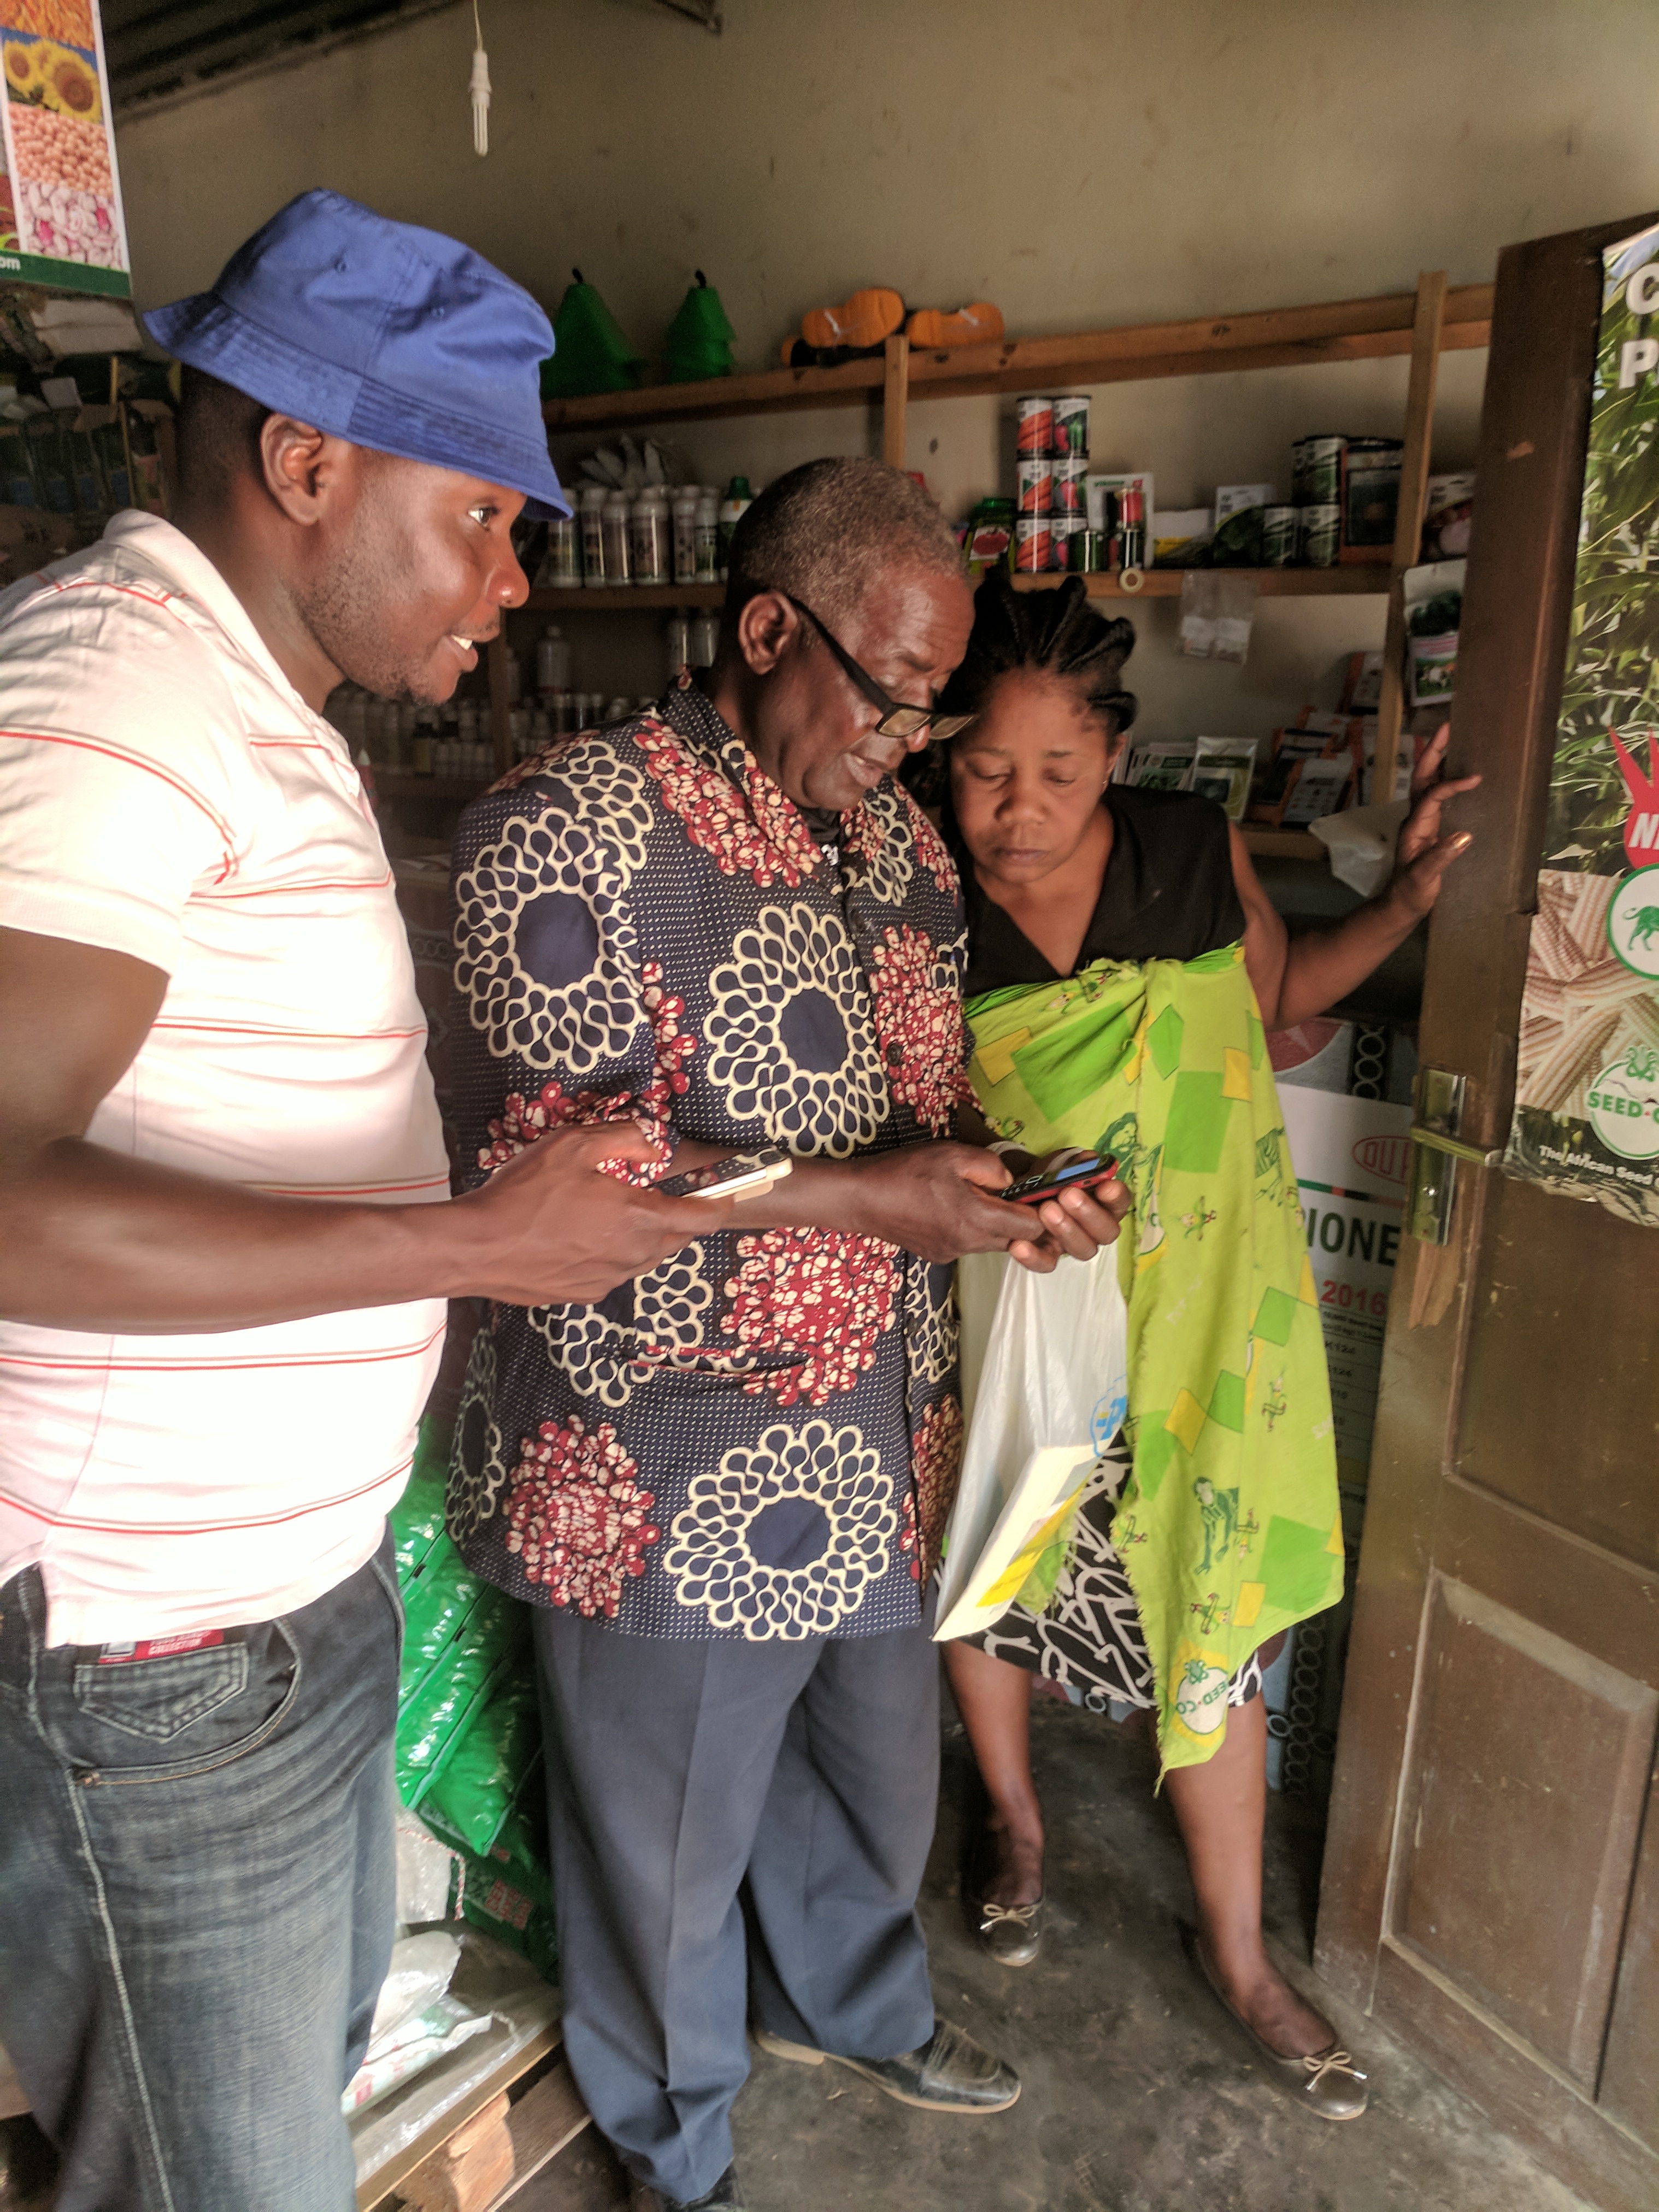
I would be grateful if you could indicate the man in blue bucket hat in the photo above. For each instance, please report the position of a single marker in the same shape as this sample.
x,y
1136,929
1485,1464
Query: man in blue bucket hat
x,y
226,1236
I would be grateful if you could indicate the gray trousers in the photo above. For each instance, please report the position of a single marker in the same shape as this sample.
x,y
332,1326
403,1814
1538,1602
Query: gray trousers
x,y
804,1775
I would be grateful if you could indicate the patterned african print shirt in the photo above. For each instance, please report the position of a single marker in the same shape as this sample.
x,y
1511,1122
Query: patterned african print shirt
x,y
760,1438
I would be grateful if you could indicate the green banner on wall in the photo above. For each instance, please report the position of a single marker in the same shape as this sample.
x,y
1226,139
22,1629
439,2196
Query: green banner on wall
x,y
1586,1120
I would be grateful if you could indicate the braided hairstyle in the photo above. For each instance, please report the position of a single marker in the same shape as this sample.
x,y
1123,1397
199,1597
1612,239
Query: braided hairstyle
x,y
1055,634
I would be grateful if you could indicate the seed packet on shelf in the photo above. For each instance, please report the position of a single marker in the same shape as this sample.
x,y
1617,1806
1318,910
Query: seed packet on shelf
x,y
1320,787
1097,484
1222,768
1288,749
1161,764
1362,684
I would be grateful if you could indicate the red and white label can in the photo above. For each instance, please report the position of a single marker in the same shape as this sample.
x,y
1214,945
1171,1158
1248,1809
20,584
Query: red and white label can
x,y
1035,425
1071,477
1034,543
1036,480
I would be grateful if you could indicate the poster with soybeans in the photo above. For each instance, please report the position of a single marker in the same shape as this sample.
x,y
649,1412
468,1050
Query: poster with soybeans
x,y
1586,1120
60,199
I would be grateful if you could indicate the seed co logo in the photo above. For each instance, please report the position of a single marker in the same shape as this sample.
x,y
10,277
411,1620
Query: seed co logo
x,y
1633,921
1624,1103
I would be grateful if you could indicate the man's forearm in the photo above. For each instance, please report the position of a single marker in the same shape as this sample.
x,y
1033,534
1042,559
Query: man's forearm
x,y
90,1239
814,1195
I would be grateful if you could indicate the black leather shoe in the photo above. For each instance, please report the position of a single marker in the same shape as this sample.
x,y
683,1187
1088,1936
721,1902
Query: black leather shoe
x,y
952,2074
724,2197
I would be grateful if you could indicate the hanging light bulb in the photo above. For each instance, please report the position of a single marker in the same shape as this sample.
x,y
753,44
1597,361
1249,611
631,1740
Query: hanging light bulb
x,y
480,87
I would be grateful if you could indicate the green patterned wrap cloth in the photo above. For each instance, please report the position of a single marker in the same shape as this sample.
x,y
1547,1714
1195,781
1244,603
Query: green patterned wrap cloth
x,y
1229,1527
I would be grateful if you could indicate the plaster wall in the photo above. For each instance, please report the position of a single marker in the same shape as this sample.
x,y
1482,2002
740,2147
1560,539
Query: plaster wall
x,y
1081,162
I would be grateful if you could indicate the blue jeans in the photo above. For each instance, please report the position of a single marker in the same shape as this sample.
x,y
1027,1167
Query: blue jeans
x,y
197,1869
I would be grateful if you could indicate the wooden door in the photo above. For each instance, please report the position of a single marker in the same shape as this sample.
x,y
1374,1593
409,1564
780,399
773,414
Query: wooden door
x,y
1491,1887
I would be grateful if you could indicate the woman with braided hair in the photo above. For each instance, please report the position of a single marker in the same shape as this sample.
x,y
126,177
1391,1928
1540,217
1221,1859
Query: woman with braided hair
x,y
1132,894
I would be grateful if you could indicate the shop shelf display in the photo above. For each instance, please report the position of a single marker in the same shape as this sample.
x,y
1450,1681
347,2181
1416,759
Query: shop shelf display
x,y
1434,320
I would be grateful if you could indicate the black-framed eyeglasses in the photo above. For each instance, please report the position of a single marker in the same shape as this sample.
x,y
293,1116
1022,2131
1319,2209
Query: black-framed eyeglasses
x,y
897,720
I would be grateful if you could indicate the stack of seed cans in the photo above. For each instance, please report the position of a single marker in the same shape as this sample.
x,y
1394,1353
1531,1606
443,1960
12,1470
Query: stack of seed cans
x,y
1316,478
1347,494
1051,462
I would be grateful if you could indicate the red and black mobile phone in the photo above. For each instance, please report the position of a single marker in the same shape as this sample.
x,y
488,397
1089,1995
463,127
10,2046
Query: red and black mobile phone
x,y
1082,1172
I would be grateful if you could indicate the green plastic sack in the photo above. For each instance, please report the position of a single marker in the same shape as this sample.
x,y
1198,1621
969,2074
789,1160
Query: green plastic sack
x,y
495,1897
474,1790
454,1692
417,1518
468,1744
436,1602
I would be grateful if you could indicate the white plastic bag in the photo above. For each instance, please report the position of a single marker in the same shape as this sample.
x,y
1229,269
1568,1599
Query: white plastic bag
x,y
1045,1397
421,1970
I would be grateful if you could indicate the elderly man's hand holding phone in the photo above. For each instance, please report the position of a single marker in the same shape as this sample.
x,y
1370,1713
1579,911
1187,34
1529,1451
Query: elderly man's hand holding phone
x,y
938,1200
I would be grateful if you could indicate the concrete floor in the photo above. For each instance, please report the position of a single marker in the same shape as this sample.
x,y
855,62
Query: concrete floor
x,y
1140,2094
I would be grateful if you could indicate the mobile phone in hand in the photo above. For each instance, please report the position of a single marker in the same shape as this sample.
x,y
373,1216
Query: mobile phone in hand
x,y
739,1172
1077,1174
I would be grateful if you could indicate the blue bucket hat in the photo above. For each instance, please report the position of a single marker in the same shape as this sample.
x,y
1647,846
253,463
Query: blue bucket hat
x,y
392,336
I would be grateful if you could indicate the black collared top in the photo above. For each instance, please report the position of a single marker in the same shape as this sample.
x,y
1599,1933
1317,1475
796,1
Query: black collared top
x,y
759,1439
1167,894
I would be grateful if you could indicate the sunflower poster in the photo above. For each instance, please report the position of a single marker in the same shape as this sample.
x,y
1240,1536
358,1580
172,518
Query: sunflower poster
x,y
60,200
1586,1121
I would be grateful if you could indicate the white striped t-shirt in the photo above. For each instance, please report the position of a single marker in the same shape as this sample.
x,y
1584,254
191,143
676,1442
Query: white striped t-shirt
x,y
166,793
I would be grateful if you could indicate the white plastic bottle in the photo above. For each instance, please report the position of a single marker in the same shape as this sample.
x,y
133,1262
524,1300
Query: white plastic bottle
x,y
708,541
676,639
552,663
684,517
650,546
592,535
619,550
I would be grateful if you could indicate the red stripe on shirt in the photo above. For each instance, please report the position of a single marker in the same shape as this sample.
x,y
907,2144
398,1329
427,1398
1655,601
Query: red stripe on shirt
x,y
202,1528
277,891
298,1036
66,1366
134,760
124,591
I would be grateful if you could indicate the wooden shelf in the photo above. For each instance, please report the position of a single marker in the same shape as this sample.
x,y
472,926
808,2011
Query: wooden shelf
x,y
1279,338
1273,583
1282,844
1159,584
624,599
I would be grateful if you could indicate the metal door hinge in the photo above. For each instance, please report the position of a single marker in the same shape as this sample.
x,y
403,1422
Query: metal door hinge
x,y
1436,1150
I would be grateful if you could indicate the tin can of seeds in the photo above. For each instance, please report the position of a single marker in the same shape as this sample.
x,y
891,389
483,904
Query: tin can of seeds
x,y
1086,553
1319,534
1033,543
1370,495
1034,427
1064,531
1278,532
1036,478
1072,426
1071,472
1317,470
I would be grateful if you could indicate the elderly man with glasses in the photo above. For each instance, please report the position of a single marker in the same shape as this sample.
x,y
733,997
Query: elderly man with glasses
x,y
722,1487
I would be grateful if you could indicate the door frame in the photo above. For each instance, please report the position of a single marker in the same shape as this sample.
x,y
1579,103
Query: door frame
x,y
1420,1513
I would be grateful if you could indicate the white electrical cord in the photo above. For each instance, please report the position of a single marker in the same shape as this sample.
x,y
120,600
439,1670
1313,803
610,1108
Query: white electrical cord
x,y
480,87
